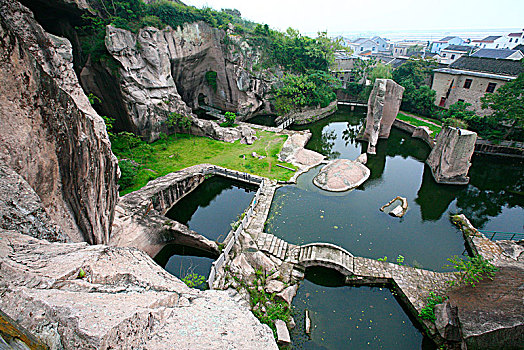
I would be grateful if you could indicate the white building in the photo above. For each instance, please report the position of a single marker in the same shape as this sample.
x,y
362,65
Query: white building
x,y
362,45
453,52
492,42
439,45
515,39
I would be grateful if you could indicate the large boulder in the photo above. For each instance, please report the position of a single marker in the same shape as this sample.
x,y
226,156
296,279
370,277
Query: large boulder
x,y
383,106
450,159
124,300
50,134
341,175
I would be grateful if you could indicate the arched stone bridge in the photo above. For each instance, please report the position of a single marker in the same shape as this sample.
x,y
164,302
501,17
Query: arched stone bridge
x,y
413,284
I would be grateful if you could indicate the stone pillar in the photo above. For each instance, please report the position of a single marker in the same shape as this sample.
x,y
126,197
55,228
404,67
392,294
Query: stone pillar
x,y
383,106
449,160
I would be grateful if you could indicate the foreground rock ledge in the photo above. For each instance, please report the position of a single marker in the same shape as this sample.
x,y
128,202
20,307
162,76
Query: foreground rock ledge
x,y
341,175
125,300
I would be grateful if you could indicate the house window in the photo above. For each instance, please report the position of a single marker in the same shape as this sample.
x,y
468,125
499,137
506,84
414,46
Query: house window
x,y
444,55
452,56
361,48
460,100
491,87
396,50
510,39
467,83
497,46
442,102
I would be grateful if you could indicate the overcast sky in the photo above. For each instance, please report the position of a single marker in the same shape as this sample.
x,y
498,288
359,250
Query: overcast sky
x,y
377,15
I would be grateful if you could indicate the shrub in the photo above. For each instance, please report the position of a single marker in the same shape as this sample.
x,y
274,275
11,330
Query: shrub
x,y
472,270
128,172
211,78
428,311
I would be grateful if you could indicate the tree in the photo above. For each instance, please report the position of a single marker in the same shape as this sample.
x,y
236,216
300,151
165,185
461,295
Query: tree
x,y
507,104
230,118
458,115
174,120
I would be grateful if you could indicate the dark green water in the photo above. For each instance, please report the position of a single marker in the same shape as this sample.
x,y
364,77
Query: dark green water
x,y
344,317
303,213
266,120
181,261
213,206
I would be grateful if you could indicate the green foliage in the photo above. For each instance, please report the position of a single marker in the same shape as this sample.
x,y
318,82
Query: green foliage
x,y
385,258
93,99
380,71
434,129
230,119
400,260
211,78
471,270
128,171
428,311
179,121
507,104
81,273
151,21
315,89
414,75
193,280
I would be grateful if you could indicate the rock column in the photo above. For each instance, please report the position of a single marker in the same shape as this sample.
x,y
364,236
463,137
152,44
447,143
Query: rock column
x,y
383,106
450,159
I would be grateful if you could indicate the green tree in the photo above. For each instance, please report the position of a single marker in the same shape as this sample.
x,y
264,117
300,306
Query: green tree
x,y
458,115
175,120
507,104
230,118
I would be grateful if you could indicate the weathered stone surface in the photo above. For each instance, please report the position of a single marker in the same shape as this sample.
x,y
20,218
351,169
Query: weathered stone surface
x,y
139,216
513,249
50,134
310,115
274,286
449,160
363,158
164,71
282,332
398,207
423,133
383,106
447,322
341,175
289,293
22,210
293,151
124,301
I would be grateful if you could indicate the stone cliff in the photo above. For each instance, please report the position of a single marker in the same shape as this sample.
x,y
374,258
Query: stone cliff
x,y
50,134
176,70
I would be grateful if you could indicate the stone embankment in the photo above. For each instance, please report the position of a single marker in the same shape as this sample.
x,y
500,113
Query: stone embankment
x,y
310,115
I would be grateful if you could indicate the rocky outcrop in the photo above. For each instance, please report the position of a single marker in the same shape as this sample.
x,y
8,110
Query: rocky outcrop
x,y
123,301
383,106
398,207
450,159
310,115
140,221
50,135
22,210
341,175
174,70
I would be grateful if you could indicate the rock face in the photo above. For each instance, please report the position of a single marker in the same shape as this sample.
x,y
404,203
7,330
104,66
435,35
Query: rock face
x,y
140,221
341,175
124,301
164,71
398,207
50,135
383,106
449,160
22,210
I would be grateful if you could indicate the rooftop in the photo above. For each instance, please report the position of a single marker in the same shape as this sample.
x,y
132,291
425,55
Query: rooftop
x,y
518,35
461,48
503,67
494,53
488,39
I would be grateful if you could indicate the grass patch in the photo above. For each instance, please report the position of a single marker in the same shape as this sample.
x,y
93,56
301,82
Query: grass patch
x,y
435,129
182,151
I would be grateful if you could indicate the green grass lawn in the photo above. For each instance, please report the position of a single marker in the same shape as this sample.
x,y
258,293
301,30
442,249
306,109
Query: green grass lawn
x,y
417,122
187,150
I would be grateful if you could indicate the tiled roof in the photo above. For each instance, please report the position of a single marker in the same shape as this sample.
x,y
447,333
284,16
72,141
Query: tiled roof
x,y
519,47
489,65
518,35
462,48
494,53
446,39
488,39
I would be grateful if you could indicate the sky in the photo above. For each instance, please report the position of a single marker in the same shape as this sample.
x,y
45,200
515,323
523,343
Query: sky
x,y
343,16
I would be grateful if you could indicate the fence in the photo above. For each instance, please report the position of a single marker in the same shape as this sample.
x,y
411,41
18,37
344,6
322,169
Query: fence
x,y
286,123
233,174
232,236
499,235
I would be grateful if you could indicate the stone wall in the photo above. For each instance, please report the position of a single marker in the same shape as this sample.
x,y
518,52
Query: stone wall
x,y
50,135
311,115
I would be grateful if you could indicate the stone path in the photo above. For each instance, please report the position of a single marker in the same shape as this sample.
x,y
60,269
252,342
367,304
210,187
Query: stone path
x,y
273,245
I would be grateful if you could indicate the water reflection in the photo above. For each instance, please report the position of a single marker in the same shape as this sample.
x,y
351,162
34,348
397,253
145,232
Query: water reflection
x,y
213,206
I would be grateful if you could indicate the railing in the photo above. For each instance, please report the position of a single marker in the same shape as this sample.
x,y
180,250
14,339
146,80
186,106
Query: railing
x,y
233,174
232,236
286,123
510,236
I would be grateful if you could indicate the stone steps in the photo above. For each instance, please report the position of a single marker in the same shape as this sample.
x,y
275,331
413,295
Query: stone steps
x,y
273,245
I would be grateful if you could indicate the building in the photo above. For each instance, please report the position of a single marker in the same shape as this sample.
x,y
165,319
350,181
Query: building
x,y
470,78
515,39
501,54
453,52
439,45
382,44
362,44
492,42
406,48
